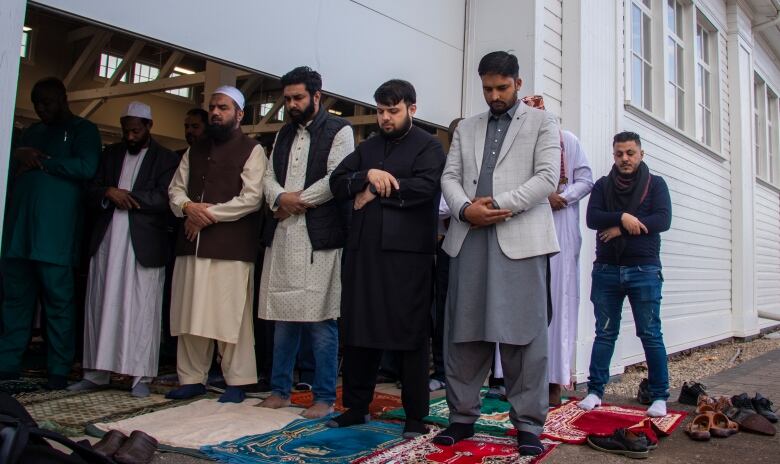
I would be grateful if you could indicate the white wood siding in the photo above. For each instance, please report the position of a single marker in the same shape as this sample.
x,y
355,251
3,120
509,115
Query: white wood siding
x,y
552,63
767,203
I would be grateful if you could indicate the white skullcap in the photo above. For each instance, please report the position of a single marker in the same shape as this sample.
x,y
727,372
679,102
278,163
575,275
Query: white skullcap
x,y
233,93
137,109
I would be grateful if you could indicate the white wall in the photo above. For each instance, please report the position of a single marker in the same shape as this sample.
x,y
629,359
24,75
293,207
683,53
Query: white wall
x,y
355,45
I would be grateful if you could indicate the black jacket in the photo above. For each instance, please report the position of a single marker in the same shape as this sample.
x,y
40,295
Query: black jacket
x,y
149,225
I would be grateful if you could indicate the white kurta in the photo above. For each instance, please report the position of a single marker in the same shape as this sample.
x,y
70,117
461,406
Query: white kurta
x,y
209,296
124,299
298,283
564,266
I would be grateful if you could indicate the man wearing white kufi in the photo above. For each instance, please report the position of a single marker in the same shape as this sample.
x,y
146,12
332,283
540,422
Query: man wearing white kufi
x,y
128,250
218,189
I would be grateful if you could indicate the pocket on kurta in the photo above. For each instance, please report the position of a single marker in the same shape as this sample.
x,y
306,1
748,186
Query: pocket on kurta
x,y
290,258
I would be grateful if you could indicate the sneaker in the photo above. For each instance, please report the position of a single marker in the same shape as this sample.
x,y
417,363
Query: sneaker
x,y
643,394
623,442
743,401
689,393
764,407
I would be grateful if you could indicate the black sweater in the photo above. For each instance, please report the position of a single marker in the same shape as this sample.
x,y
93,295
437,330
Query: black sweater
x,y
655,212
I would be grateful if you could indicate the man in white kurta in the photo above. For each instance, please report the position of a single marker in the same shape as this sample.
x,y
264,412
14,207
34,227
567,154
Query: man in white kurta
x,y
212,298
576,183
300,287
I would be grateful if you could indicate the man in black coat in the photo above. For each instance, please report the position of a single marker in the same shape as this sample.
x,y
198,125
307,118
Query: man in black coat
x,y
129,247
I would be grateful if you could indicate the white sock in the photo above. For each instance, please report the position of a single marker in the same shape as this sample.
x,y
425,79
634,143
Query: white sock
x,y
657,409
589,402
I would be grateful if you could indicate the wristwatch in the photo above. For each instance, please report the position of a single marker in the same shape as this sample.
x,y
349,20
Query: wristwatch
x,y
372,189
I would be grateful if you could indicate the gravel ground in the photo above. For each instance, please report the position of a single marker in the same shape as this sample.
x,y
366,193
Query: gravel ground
x,y
695,364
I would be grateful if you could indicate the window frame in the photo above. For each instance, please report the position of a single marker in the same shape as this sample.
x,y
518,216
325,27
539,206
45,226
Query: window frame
x,y
125,79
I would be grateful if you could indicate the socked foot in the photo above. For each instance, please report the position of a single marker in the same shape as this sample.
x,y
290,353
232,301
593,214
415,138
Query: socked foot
x,y
83,385
454,433
589,402
274,402
529,444
187,391
318,410
141,390
348,418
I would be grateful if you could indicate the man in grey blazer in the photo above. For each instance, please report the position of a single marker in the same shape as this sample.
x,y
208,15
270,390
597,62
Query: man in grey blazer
x,y
501,167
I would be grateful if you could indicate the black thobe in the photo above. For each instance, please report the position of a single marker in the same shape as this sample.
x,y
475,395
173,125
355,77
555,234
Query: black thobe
x,y
387,288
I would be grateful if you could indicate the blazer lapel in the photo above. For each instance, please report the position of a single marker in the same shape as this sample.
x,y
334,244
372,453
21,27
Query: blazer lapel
x,y
146,164
514,128
479,139
118,159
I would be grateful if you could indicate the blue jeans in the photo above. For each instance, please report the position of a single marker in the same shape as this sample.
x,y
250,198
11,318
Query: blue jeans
x,y
324,337
642,286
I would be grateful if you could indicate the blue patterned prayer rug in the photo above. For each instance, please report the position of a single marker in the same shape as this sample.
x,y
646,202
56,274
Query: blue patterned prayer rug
x,y
309,441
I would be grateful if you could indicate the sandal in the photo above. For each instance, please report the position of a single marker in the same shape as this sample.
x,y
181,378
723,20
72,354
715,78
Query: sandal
x,y
705,404
722,426
699,428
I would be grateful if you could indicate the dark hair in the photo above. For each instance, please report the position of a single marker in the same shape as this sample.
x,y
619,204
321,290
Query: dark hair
x,y
394,92
627,136
201,113
51,83
501,63
306,76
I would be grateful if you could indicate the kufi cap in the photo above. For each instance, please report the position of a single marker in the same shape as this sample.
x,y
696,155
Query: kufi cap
x,y
233,93
534,101
137,109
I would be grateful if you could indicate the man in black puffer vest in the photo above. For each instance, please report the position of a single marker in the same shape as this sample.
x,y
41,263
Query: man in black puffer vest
x,y
300,287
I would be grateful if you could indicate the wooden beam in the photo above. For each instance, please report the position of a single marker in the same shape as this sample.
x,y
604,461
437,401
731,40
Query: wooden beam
x,y
81,33
126,66
249,86
274,109
171,63
262,128
126,90
328,102
87,57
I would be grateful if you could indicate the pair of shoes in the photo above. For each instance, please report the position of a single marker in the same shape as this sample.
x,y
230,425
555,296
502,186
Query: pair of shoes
x,y
743,413
709,404
318,410
643,394
187,391
625,442
302,387
413,428
436,384
689,393
764,407
274,402
711,424
139,448
554,397
348,418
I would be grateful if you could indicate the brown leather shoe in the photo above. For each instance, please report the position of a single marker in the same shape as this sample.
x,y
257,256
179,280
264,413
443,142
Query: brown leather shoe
x,y
138,449
110,443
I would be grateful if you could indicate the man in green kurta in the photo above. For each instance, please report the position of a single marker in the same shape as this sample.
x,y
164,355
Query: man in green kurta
x,y
50,164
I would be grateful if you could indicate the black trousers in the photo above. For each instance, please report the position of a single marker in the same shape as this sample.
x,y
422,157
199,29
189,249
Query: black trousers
x,y
359,374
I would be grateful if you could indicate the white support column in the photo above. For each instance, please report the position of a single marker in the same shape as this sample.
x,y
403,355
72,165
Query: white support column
x,y
217,75
514,26
743,172
11,23
592,103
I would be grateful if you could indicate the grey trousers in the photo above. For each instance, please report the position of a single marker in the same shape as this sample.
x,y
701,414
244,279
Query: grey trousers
x,y
525,376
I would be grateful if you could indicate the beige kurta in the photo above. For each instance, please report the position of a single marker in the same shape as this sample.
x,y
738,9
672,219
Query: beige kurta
x,y
209,296
299,284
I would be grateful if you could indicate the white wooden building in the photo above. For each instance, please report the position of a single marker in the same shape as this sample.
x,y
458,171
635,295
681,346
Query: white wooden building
x,y
699,80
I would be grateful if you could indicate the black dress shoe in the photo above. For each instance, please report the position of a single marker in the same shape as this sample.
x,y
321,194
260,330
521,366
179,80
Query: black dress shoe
x,y
624,442
643,394
743,401
110,443
138,449
689,393
764,407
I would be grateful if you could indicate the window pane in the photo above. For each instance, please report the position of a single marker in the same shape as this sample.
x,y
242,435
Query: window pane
x,y
680,109
678,19
647,83
25,44
646,37
700,123
680,78
636,79
670,15
671,103
707,92
707,127
671,60
705,46
636,29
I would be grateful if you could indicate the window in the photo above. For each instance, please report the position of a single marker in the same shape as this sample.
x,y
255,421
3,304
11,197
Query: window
x,y
108,65
145,73
772,131
703,84
758,89
766,131
25,52
675,65
641,61
266,107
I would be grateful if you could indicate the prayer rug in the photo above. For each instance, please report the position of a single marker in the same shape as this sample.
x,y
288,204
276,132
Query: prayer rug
x,y
479,449
309,441
22,386
382,403
494,416
570,424
70,414
201,422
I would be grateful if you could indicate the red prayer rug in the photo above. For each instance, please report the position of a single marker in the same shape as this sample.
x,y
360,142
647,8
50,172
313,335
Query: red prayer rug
x,y
570,424
381,404
479,449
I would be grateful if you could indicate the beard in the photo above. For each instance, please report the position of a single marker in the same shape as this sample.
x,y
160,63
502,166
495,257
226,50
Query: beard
x,y
300,117
135,148
399,132
220,132
503,106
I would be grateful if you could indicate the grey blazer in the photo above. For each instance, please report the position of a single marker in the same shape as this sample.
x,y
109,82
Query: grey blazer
x,y
527,171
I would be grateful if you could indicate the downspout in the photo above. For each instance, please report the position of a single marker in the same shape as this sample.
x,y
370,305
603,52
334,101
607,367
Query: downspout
x,y
771,22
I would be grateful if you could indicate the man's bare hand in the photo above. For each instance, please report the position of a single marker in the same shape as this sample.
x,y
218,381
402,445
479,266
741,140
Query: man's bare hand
x,y
281,214
121,198
362,199
557,202
291,203
383,182
633,225
191,230
481,213
29,158
608,234
199,215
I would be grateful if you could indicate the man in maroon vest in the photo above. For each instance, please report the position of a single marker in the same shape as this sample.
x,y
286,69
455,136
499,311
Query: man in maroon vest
x,y
218,189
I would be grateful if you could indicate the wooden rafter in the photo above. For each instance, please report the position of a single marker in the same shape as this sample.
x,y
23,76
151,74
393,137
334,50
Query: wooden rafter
x,y
81,33
87,57
126,90
170,63
124,66
250,85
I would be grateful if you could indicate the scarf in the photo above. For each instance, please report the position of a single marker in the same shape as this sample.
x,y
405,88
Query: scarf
x,y
626,193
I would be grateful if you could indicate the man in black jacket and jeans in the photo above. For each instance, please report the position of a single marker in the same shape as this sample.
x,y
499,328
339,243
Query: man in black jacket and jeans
x,y
629,208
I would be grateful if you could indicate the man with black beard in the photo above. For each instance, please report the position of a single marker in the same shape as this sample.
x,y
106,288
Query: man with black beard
x,y
218,188
303,296
128,248
388,273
